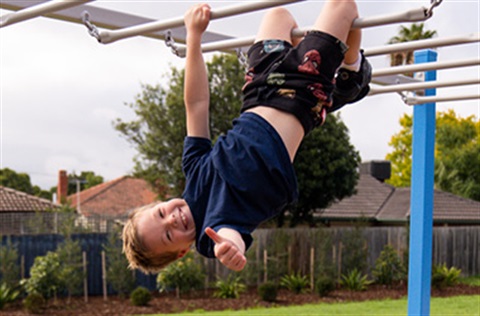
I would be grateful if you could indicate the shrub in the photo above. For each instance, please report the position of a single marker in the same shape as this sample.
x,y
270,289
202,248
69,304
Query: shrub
x,y
355,281
388,267
230,288
324,285
183,275
268,291
34,303
7,295
140,296
9,268
44,278
295,282
118,275
443,277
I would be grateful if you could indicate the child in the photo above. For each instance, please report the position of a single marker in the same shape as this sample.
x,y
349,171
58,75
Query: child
x,y
247,177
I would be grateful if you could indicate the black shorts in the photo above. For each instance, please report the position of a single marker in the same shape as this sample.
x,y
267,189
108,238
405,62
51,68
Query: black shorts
x,y
298,80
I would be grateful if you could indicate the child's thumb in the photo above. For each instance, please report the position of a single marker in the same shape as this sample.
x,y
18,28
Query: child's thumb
x,y
213,235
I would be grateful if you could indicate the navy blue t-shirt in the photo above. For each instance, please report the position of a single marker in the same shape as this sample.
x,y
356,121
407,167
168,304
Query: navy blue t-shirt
x,y
245,179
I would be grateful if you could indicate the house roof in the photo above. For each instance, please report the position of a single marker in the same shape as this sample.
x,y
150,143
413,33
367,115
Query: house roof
x,y
16,201
377,201
114,198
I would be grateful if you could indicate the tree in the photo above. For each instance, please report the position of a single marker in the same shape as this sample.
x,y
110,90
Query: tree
x,y
401,156
414,33
457,154
326,166
160,129
86,179
20,181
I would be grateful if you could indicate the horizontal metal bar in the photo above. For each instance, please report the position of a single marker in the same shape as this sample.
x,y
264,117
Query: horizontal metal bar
x,y
422,85
107,37
423,100
422,44
38,10
414,15
425,67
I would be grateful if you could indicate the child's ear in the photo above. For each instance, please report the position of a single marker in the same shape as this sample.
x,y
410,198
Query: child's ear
x,y
182,253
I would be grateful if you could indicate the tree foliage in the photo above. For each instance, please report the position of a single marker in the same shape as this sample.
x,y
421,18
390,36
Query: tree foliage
x,y
405,34
326,166
86,179
159,130
20,181
457,154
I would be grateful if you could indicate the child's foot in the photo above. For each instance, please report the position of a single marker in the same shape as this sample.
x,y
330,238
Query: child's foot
x,y
351,86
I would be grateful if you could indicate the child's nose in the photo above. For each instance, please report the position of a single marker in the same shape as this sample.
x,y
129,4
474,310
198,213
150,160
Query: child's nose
x,y
172,220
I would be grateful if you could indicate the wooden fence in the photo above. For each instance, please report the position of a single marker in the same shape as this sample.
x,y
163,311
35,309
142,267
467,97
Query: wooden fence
x,y
277,252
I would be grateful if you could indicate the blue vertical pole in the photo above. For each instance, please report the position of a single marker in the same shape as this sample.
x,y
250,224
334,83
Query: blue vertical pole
x,y
421,198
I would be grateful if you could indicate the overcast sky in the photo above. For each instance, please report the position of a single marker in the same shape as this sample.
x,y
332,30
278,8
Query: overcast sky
x,y
61,89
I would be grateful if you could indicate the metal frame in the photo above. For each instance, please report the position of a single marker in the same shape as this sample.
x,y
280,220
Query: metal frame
x,y
424,112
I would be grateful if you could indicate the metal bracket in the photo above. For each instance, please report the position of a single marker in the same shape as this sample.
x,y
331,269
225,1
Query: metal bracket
x,y
433,5
92,29
170,42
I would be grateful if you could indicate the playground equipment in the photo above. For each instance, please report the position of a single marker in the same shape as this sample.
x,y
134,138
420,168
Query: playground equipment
x,y
109,26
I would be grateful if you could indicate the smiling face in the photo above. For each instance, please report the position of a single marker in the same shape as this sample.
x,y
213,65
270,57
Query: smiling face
x,y
167,227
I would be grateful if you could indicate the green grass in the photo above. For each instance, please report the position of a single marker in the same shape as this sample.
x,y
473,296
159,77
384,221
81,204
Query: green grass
x,y
456,305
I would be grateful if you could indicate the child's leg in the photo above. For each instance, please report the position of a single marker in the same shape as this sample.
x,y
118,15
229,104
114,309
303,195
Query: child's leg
x,y
336,19
277,24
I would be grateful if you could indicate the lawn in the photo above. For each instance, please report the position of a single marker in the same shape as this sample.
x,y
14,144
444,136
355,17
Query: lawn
x,y
456,305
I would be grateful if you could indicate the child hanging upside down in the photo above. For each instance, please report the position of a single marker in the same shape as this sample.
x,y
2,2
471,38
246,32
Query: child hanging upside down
x,y
247,177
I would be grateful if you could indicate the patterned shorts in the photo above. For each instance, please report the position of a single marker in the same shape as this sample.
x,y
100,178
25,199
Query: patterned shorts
x,y
298,80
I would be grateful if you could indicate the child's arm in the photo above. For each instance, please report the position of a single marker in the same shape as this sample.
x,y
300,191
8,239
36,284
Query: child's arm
x,y
229,247
196,90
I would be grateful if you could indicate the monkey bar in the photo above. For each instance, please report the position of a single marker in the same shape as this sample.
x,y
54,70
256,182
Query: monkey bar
x,y
415,15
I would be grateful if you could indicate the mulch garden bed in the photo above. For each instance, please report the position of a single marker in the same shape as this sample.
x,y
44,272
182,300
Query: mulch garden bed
x,y
204,300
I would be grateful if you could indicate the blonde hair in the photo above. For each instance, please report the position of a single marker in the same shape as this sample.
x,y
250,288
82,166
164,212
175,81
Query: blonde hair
x,y
138,256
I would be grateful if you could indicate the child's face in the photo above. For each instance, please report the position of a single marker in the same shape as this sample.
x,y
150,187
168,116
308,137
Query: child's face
x,y
167,227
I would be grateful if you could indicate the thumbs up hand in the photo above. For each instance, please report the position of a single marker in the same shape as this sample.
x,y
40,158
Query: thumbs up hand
x,y
229,248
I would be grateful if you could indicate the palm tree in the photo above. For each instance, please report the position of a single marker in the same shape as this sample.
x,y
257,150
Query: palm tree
x,y
415,32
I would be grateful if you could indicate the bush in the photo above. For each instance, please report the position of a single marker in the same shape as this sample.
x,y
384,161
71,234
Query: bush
x,y
355,281
34,303
443,277
268,291
7,295
44,278
230,288
9,268
295,282
140,296
118,275
324,285
388,267
183,275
